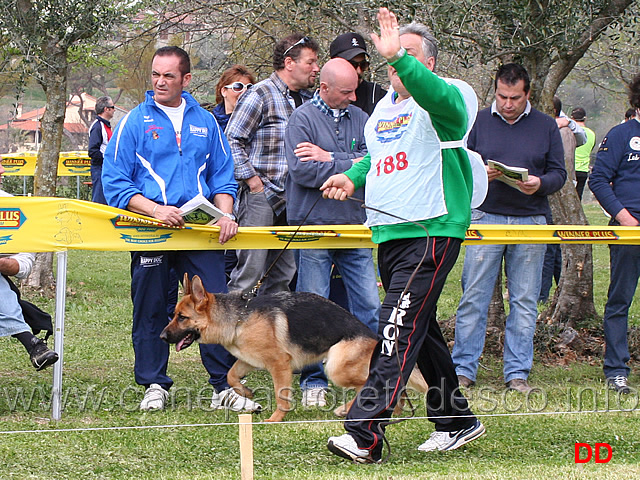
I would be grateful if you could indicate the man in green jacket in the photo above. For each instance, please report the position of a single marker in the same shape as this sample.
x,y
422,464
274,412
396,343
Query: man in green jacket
x,y
420,183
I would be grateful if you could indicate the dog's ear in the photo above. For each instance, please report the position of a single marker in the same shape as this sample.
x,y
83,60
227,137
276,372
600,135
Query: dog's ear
x,y
186,284
198,293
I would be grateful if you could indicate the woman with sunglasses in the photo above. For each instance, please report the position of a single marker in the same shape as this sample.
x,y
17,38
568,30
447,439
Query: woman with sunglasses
x,y
234,82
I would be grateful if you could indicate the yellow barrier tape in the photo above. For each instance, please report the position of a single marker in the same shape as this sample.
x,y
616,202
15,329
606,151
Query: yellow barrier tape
x,y
69,163
43,224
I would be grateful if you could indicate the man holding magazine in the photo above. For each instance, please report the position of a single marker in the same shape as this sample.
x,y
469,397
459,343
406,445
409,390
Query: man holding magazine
x,y
515,134
164,153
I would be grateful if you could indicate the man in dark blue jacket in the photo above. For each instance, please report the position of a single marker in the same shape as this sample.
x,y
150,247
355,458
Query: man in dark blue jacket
x,y
615,181
165,152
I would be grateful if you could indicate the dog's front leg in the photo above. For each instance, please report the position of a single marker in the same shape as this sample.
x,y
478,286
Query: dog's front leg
x,y
282,376
235,375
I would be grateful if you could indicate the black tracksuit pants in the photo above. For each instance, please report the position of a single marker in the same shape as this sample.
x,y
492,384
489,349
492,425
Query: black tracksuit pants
x,y
419,340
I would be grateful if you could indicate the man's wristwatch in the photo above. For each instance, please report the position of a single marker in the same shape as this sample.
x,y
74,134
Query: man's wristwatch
x,y
230,215
401,53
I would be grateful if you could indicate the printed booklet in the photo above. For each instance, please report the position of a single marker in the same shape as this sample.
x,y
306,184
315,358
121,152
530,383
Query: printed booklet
x,y
201,211
510,175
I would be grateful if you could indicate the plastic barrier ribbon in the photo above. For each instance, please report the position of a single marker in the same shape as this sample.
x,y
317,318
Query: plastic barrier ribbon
x,y
44,224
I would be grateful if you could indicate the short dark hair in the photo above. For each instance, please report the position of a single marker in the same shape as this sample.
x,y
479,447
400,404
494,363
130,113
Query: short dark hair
x,y
557,105
102,103
578,114
629,114
634,91
230,75
512,73
185,61
286,46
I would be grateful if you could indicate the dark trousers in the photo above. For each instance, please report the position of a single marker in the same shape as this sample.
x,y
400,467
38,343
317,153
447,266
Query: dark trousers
x,y
97,194
151,283
624,274
581,179
419,339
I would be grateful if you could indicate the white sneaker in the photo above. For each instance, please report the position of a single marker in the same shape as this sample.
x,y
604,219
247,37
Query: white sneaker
x,y
154,398
346,447
314,397
231,400
443,441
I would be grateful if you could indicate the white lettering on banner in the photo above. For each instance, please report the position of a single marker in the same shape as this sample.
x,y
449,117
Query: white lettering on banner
x,y
389,331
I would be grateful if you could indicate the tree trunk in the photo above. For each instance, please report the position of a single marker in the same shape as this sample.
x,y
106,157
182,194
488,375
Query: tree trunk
x,y
53,79
573,299
496,320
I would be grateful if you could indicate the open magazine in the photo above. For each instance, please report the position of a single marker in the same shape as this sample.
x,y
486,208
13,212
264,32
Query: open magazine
x,y
201,211
510,175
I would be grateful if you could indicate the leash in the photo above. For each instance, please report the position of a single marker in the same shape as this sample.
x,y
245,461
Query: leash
x,y
248,296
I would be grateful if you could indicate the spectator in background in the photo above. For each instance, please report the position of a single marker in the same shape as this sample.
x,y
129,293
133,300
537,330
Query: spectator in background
x,y
352,47
167,137
234,81
583,152
615,181
512,132
256,135
325,136
12,321
629,114
99,136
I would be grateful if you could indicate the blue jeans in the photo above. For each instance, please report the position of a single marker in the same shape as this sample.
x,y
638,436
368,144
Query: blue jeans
x,y
523,265
624,273
11,318
358,272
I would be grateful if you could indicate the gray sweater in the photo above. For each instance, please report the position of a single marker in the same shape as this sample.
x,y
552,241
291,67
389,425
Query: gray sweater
x,y
345,139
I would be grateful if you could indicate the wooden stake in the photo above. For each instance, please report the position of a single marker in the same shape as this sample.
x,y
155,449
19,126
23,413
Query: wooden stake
x,y
246,446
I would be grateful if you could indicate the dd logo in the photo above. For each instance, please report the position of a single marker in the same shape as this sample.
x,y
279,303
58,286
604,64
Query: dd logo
x,y
597,448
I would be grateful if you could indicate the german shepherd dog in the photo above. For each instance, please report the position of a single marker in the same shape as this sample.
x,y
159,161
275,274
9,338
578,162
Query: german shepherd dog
x,y
281,332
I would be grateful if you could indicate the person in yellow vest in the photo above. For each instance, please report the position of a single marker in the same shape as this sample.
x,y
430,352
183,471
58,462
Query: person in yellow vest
x,y
583,152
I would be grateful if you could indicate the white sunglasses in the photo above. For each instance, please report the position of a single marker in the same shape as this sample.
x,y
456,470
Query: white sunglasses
x,y
239,86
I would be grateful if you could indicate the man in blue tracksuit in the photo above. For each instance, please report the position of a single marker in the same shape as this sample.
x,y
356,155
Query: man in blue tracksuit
x,y
162,154
614,181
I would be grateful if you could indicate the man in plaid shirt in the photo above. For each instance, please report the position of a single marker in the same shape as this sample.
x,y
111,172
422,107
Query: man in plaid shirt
x,y
256,136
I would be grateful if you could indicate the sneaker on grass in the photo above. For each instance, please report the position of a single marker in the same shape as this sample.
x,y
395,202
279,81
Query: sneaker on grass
x,y
619,383
155,398
229,399
346,447
314,397
443,441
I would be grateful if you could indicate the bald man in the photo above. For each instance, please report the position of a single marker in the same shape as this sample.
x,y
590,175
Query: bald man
x,y
325,136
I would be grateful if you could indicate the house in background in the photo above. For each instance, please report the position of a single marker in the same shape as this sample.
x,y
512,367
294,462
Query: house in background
x,y
23,132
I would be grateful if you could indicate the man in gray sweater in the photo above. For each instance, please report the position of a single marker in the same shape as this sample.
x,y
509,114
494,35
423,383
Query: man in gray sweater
x,y
325,136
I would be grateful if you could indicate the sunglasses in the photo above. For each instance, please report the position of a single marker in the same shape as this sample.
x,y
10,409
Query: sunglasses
x,y
363,64
112,107
302,41
239,86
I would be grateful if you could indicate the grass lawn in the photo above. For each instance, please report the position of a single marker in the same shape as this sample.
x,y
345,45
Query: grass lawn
x,y
102,434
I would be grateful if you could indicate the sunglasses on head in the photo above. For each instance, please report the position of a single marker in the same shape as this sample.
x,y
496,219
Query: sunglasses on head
x,y
363,64
239,86
302,41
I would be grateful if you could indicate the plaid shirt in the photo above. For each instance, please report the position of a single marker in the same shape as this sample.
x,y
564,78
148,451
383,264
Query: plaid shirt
x,y
256,136
318,102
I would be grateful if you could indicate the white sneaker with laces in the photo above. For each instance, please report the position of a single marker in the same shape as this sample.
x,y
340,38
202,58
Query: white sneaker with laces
x,y
443,441
155,398
314,397
346,447
619,383
231,400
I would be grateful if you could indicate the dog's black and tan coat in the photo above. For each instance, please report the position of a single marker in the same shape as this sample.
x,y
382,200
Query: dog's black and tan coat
x,y
280,332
